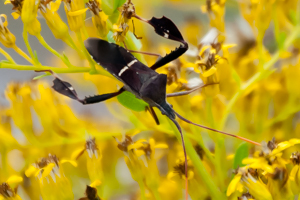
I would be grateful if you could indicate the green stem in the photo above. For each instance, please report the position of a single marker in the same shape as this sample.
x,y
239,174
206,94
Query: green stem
x,y
87,55
156,194
34,68
23,54
45,44
6,55
259,75
207,180
142,188
25,37
73,45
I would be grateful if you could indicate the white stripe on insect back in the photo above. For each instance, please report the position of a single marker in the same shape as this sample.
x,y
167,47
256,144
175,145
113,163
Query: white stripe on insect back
x,y
123,70
132,62
127,67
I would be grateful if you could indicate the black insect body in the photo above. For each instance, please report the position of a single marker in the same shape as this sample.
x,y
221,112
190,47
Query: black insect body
x,y
142,81
138,79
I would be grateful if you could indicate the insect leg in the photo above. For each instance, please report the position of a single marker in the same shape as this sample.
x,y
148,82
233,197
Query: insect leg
x,y
101,97
139,38
67,89
141,52
176,94
214,130
185,157
151,111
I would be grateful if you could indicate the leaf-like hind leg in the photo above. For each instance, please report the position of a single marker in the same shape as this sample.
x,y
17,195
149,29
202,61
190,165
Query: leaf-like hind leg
x,y
67,89
167,29
176,94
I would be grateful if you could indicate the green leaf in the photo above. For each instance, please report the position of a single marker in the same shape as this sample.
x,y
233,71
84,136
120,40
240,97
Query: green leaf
x,y
281,40
129,100
133,43
293,17
109,6
241,153
41,76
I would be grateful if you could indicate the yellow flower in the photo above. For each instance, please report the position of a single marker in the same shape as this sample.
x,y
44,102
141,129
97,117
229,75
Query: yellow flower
x,y
52,180
247,179
75,11
279,186
6,192
49,11
215,10
294,178
17,6
179,169
6,37
29,16
94,165
99,17
29,11
270,157
121,28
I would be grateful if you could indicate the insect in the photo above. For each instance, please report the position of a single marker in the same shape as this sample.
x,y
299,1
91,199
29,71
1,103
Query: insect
x,y
142,81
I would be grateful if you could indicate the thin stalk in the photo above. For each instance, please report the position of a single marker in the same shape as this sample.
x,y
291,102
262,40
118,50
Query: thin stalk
x,y
45,44
73,45
261,74
91,62
54,69
6,55
142,188
25,37
156,194
23,54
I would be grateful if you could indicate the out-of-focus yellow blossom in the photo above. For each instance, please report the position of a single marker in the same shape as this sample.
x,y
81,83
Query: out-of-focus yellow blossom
x,y
49,11
147,149
94,165
75,11
179,169
294,178
215,10
52,180
6,192
99,17
6,37
134,164
279,186
207,63
91,192
246,196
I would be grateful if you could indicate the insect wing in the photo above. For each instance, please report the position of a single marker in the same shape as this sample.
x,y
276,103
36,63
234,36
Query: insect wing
x,y
119,62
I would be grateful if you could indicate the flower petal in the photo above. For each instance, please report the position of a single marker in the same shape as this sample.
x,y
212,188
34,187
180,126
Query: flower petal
x,y
72,162
31,171
77,13
14,179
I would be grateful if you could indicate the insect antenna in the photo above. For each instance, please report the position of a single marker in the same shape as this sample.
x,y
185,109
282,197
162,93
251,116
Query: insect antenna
x,y
185,157
211,129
